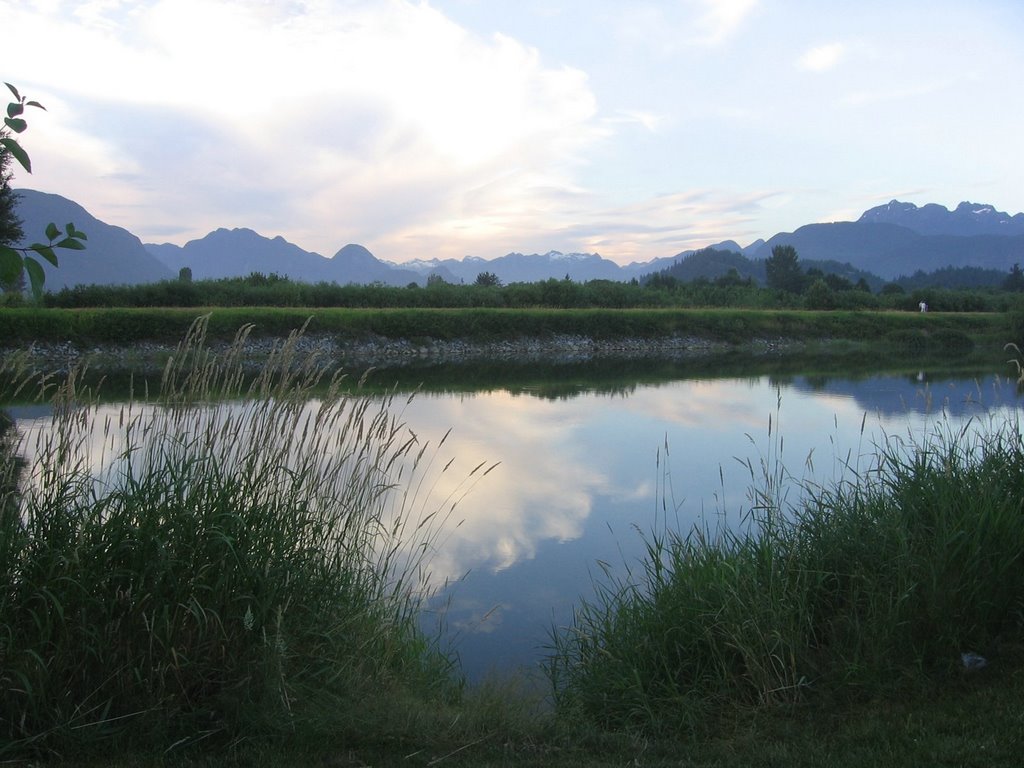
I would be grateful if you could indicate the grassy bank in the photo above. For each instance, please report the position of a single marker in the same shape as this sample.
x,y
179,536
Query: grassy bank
x,y
899,331
177,574
861,590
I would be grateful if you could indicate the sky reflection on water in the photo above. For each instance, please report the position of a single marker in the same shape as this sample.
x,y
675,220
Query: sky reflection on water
x,y
579,479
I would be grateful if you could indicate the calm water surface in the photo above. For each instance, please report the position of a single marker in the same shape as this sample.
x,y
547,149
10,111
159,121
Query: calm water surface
x,y
584,473
582,477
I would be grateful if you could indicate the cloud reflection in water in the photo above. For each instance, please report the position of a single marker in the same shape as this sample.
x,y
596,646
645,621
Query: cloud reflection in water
x,y
579,477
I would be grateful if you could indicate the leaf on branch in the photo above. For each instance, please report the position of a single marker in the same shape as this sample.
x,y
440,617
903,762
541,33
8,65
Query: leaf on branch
x,y
15,108
71,244
52,233
16,124
14,91
35,104
36,276
45,251
10,264
20,154
71,231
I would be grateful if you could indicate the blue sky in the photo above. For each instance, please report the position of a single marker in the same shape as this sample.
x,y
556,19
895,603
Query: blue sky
x,y
478,127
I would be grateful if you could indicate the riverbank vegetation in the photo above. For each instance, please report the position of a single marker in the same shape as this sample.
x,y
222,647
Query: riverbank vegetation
x,y
179,573
909,569
178,592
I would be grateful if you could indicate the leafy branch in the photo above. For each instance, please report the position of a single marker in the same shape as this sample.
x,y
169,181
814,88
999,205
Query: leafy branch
x,y
15,122
15,260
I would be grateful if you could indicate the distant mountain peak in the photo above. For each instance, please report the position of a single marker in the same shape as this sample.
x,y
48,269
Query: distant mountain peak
x,y
975,209
354,250
222,234
892,208
966,219
559,256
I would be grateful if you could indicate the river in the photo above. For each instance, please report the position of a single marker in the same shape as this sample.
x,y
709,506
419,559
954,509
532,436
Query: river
x,y
587,466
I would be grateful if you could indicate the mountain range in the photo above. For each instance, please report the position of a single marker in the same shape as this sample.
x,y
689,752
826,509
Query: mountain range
x,y
887,241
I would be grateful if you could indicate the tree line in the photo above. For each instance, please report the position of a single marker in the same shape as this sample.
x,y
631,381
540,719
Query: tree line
x,y
788,287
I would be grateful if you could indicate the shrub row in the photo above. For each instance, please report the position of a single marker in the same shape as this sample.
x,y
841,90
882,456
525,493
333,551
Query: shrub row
x,y
262,290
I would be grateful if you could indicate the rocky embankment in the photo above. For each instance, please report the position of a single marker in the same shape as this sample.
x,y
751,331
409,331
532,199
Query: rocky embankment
x,y
384,352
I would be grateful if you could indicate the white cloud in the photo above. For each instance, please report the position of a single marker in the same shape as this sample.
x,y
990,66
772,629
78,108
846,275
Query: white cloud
x,y
382,114
648,120
670,223
822,57
899,93
665,29
720,19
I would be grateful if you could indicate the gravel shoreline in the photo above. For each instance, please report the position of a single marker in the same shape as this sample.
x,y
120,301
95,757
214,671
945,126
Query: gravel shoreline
x,y
383,352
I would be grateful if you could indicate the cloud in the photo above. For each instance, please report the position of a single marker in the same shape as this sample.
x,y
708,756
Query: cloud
x,y
666,29
899,93
580,220
330,120
505,518
650,121
822,57
720,19
670,223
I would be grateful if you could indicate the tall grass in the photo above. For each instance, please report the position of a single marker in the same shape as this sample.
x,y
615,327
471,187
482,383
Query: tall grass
x,y
230,558
860,586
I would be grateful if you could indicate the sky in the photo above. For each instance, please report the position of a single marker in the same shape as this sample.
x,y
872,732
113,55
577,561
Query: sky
x,y
446,128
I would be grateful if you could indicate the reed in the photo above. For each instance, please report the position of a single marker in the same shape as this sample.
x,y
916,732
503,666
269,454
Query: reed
x,y
230,558
856,589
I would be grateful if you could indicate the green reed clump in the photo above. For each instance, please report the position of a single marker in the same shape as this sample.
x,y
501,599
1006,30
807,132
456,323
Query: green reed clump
x,y
854,590
238,557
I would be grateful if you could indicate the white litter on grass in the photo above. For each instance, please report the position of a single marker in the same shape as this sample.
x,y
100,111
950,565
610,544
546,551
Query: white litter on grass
x,y
973,661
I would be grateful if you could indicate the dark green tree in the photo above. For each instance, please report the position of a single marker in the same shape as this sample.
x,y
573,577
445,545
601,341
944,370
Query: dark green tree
x,y
662,281
838,282
1015,280
732,279
819,295
782,270
487,279
185,275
